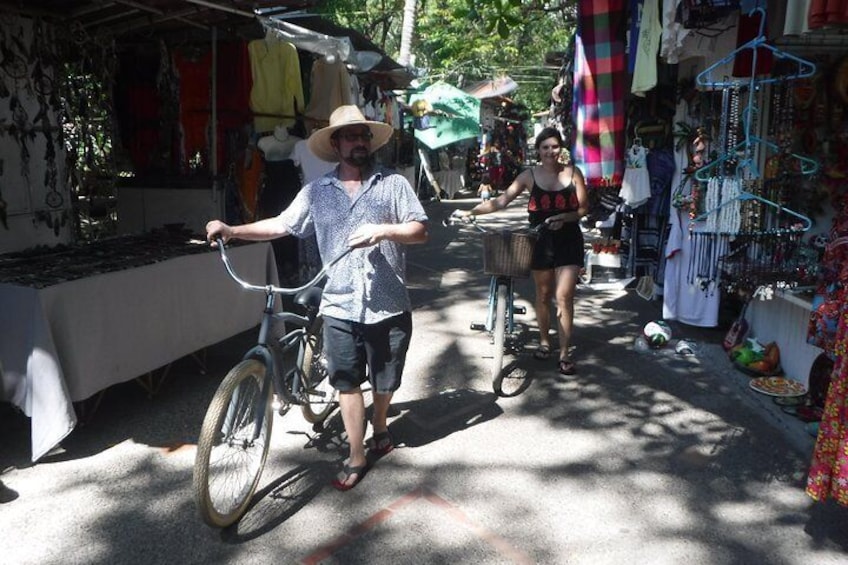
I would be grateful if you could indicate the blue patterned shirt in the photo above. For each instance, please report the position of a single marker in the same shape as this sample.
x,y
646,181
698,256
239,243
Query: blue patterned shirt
x,y
369,285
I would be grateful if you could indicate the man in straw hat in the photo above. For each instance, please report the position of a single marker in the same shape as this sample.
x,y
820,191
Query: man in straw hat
x,y
365,303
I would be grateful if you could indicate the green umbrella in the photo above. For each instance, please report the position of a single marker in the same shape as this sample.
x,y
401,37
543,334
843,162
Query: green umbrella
x,y
455,115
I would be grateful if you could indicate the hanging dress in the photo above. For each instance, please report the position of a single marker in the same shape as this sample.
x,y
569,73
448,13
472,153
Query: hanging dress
x,y
828,475
636,185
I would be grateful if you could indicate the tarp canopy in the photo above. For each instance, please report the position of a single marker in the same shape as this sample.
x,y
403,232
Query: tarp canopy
x,y
453,115
492,88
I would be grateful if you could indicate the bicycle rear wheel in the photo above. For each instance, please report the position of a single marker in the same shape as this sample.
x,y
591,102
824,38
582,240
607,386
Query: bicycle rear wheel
x,y
499,331
318,394
229,460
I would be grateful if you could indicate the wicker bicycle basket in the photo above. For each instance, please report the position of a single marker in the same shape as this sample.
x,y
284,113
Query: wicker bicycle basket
x,y
508,253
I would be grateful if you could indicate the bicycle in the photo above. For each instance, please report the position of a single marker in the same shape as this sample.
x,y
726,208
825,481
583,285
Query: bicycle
x,y
285,371
506,255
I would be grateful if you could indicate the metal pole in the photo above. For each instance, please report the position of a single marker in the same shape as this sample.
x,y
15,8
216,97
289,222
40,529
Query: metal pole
x,y
213,135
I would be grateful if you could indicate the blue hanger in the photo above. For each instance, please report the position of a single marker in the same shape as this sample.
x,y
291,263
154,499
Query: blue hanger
x,y
749,196
745,161
805,68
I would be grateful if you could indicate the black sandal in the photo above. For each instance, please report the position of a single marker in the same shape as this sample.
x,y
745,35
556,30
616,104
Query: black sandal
x,y
341,481
381,444
566,367
543,353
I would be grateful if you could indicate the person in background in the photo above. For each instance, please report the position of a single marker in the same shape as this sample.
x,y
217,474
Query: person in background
x,y
485,191
558,199
365,303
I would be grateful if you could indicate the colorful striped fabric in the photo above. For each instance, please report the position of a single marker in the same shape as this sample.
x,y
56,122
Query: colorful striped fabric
x,y
599,90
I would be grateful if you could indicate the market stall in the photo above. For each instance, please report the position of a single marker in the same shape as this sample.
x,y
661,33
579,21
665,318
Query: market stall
x,y
77,320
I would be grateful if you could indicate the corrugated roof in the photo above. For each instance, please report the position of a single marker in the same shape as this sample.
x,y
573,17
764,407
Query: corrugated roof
x,y
128,18
186,20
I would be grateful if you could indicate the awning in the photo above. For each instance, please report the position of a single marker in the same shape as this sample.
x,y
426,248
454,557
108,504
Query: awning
x,y
492,88
454,115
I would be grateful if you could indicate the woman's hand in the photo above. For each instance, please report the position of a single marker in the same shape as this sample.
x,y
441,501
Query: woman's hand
x,y
556,222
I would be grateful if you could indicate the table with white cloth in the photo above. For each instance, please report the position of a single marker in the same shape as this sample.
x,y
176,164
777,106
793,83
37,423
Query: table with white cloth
x,y
65,338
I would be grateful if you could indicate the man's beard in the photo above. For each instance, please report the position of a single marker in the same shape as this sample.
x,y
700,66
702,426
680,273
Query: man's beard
x,y
358,157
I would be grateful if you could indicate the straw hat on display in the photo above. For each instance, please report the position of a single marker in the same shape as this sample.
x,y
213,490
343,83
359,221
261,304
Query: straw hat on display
x,y
344,116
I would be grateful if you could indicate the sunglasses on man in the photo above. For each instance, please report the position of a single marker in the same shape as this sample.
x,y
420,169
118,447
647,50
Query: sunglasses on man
x,y
352,136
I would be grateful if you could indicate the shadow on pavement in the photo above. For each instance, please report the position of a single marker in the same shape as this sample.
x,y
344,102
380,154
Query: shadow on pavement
x,y
435,417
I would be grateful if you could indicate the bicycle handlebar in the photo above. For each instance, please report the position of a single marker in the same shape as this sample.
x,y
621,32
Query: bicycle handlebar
x,y
269,288
454,219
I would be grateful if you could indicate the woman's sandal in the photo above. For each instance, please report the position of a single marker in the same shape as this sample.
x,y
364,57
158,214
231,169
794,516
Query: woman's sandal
x,y
566,367
341,481
381,444
543,353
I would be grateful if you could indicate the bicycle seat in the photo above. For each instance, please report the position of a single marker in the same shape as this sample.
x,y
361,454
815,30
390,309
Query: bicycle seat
x,y
309,298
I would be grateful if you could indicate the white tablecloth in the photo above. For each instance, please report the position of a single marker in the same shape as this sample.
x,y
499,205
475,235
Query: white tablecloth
x,y
66,342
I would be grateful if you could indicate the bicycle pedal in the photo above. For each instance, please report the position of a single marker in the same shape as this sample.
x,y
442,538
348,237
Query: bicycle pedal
x,y
519,309
478,327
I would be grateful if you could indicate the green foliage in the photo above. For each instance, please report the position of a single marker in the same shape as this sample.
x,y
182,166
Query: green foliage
x,y
466,41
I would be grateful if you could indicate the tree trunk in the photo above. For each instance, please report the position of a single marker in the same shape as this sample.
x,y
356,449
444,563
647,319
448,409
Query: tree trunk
x,y
407,31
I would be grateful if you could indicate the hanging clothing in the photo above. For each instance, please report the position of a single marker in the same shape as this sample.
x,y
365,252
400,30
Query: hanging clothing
x,y
795,21
249,167
277,87
684,301
137,105
828,476
233,96
650,32
599,91
826,13
633,33
194,72
331,89
636,184
748,29
673,32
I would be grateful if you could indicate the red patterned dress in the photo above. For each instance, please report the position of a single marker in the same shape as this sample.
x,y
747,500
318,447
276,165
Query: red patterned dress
x,y
828,475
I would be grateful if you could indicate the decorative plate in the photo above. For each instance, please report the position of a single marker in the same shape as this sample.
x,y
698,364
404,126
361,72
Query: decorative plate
x,y
777,386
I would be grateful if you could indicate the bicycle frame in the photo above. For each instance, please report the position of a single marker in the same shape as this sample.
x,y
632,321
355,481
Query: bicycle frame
x,y
273,355
496,281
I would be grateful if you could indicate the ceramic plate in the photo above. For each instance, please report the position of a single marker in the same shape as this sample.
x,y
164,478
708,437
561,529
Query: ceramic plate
x,y
777,386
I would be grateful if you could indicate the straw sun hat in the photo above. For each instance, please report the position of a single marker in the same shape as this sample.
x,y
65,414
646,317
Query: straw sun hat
x,y
343,116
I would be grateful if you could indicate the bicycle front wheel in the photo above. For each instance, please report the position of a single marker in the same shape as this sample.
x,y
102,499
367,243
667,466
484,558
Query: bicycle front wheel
x,y
319,396
499,331
231,452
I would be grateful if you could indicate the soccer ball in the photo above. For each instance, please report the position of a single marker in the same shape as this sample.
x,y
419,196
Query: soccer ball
x,y
657,333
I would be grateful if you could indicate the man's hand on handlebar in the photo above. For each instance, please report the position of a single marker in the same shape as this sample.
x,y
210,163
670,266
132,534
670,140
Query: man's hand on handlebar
x,y
218,229
365,236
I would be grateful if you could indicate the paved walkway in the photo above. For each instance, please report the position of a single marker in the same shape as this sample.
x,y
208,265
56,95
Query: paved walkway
x,y
639,458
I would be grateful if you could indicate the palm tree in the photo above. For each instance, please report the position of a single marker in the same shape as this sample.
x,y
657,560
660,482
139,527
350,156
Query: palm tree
x,y
407,31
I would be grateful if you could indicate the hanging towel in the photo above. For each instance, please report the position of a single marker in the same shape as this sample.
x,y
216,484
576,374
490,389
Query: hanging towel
x,y
599,90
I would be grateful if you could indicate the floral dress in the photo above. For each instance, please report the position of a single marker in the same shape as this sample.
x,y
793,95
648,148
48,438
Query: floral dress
x,y
828,475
